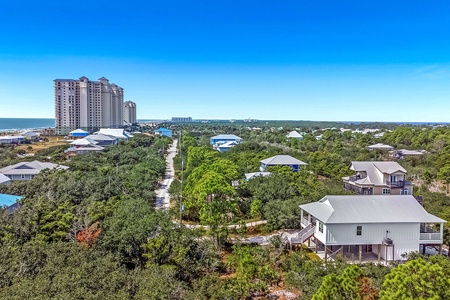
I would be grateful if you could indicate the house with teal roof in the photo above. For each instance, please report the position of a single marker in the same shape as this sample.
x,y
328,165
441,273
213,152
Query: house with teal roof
x,y
164,132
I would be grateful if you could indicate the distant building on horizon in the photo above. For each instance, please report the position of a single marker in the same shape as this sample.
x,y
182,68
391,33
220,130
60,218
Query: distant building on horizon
x,y
87,105
129,112
181,119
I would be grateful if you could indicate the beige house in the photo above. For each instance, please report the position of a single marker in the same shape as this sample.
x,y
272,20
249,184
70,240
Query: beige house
x,y
378,178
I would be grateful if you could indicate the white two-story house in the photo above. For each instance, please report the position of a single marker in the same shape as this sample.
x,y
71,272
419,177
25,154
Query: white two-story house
x,y
375,227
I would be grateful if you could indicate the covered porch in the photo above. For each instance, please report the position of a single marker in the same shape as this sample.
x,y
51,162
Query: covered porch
x,y
351,253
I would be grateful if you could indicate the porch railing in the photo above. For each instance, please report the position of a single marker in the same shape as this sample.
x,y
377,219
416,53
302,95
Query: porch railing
x,y
305,222
430,236
303,235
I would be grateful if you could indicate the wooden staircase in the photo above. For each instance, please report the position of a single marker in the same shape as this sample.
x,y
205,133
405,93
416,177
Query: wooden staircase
x,y
303,235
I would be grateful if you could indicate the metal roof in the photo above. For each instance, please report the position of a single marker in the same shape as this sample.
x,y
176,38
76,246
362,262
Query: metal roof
x,y
101,137
83,142
7,200
30,168
226,137
294,134
78,131
370,209
4,178
115,132
282,160
162,129
249,176
380,146
409,152
375,170
228,144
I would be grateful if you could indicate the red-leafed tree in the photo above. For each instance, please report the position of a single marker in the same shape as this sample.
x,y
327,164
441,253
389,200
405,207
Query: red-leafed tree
x,y
88,235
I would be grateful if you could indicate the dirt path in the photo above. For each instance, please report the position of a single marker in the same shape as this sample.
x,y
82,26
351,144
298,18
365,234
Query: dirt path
x,y
162,194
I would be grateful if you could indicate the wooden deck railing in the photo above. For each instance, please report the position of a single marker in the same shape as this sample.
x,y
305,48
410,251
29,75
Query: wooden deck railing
x,y
430,236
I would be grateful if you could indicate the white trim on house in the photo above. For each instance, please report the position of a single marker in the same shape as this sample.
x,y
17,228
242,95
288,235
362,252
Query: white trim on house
x,y
390,225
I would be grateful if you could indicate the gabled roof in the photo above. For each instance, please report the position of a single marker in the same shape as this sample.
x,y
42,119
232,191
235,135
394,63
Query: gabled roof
x,y
30,168
374,170
249,176
101,137
228,144
282,160
294,134
8,200
369,209
162,129
29,133
78,131
90,148
4,178
380,146
226,137
115,132
83,142
409,152
387,167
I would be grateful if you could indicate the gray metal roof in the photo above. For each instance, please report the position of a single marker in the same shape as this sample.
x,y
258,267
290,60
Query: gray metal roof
x,y
115,132
380,146
294,134
83,142
282,160
410,152
370,209
226,137
249,176
101,137
4,178
228,144
30,168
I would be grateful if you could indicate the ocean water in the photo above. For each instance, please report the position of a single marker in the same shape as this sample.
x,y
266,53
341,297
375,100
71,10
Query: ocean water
x,y
13,124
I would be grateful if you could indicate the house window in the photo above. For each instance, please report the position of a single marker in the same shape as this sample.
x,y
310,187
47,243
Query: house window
x,y
404,192
386,191
320,226
358,230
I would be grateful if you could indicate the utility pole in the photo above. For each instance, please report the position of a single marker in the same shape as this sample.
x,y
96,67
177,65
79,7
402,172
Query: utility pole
x,y
181,192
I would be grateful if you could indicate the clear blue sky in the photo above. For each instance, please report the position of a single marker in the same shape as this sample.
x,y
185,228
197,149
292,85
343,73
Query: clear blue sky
x,y
298,60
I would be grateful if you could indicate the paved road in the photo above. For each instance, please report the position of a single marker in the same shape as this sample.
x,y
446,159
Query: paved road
x,y
162,194
237,226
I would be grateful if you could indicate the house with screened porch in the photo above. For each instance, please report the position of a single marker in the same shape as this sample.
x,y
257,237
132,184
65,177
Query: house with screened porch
x,y
368,227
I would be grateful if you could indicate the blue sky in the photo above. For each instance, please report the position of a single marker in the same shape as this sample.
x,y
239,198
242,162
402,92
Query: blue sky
x,y
293,60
